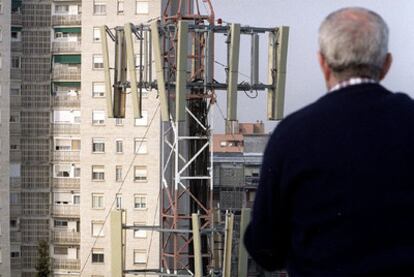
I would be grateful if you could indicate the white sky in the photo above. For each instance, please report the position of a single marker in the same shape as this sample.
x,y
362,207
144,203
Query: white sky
x,y
304,80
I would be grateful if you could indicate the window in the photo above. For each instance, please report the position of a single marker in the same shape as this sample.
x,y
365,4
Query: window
x,y
60,223
98,145
76,199
67,144
97,256
97,62
98,89
143,121
1,34
120,7
60,250
97,201
66,171
97,229
119,201
96,34
99,7
15,62
140,201
1,260
61,9
14,92
140,257
118,173
1,59
142,7
98,117
140,233
119,121
16,35
98,173
140,146
14,254
14,198
140,173
71,116
119,145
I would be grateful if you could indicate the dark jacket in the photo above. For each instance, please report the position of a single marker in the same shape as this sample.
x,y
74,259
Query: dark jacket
x,y
336,195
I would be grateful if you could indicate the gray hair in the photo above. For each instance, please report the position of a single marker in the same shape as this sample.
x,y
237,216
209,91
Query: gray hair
x,y
354,43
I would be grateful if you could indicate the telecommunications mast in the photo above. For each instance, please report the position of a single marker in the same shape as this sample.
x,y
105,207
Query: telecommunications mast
x,y
179,49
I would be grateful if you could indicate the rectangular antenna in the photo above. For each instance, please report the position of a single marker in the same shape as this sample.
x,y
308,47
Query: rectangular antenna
x,y
278,47
233,72
119,74
254,67
130,59
107,73
159,69
181,79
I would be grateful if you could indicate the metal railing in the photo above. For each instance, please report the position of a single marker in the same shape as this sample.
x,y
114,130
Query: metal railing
x,y
66,156
65,237
73,19
66,101
15,73
16,46
16,18
15,129
15,182
66,73
66,46
15,236
66,129
15,262
69,264
66,210
66,183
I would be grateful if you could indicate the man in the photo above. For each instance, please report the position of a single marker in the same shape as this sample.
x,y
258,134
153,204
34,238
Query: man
x,y
336,195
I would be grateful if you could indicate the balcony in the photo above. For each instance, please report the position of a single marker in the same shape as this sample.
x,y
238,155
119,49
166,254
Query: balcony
x,y
16,46
15,74
66,129
64,237
66,156
15,236
15,101
15,156
66,210
15,210
66,183
66,46
252,181
15,263
66,73
16,18
15,183
66,101
67,264
73,19
15,129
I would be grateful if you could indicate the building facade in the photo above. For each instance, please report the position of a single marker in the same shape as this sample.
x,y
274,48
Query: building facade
x,y
237,161
5,44
69,164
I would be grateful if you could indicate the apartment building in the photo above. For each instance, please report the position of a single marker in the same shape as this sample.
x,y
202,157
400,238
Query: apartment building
x,y
237,156
70,164
5,21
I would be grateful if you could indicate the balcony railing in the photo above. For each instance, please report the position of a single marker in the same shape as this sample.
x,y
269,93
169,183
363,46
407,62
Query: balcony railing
x,y
66,73
15,129
66,101
16,46
252,180
66,19
66,46
66,210
66,129
66,156
15,210
67,264
15,263
64,237
15,182
16,18
15,236
66,183
15,156
15,73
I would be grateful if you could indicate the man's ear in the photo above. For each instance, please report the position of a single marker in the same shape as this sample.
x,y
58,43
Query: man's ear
x,y
386,66
324,67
